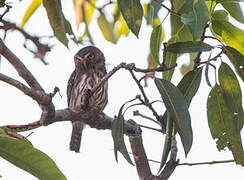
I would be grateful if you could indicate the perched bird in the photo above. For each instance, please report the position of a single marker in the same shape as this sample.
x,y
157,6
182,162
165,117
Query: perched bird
x,y
89,70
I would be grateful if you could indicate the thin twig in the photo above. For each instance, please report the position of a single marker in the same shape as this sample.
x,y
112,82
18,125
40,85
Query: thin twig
x,y
137,113
170,10
212,59
206,163
154,129
149,105
211,37
139,86
197,59
6,11
164,54
130,66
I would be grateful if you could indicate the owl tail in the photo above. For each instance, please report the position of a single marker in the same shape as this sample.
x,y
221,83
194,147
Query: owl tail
x,y
76,136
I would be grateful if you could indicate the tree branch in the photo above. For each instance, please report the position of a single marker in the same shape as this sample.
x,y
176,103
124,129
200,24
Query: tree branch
x,y
42,49
206,163
90,116
19,66
140,157
40,96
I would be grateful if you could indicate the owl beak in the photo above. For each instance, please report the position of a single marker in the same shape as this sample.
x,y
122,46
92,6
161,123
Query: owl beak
x,y
84,62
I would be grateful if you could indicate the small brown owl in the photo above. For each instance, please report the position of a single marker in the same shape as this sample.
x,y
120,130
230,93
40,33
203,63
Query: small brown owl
x,y
89,70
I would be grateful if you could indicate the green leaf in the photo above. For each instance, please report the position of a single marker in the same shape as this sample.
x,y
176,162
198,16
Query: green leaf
x,y
30,159
189,47
197,19
167,141
31,9
148,13
118,138
178,4
69,30
132,12
106,28
230,34
188,86
56,19
232,93
178,109
178,29
222,126
237,59
155,42
235,10
170,61
220,15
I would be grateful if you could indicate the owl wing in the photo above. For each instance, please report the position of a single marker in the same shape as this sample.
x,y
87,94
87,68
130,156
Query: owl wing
x,y
70,86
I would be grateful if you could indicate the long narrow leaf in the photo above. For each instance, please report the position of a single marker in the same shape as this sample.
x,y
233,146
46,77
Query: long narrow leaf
x,y
222,124
167,141
188,86
56,19
232,93
155,40
178,109
30,159
132,12
31,9
189,47
237,59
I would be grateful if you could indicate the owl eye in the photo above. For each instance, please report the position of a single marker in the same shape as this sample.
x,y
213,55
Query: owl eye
x,y
77,59
91,56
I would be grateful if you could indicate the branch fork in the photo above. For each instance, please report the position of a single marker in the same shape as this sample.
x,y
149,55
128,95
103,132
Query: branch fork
x,y
91,116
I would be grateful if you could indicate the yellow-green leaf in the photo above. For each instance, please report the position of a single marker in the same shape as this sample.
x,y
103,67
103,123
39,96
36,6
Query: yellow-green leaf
x,y
106,28
31,9
132,12
237,59
56,19
230,34
235,10
220,15
30,159
155,40
232,94
222,126
120,27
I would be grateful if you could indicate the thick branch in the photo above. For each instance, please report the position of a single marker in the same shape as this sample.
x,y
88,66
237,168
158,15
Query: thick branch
x,y
94,118
37,95
19,66
140,158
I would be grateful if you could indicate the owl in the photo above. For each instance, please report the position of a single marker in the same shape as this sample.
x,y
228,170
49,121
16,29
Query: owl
x,y
89,70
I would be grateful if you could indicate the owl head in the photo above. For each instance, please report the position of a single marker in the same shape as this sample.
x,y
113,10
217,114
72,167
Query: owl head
x,y
89,57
